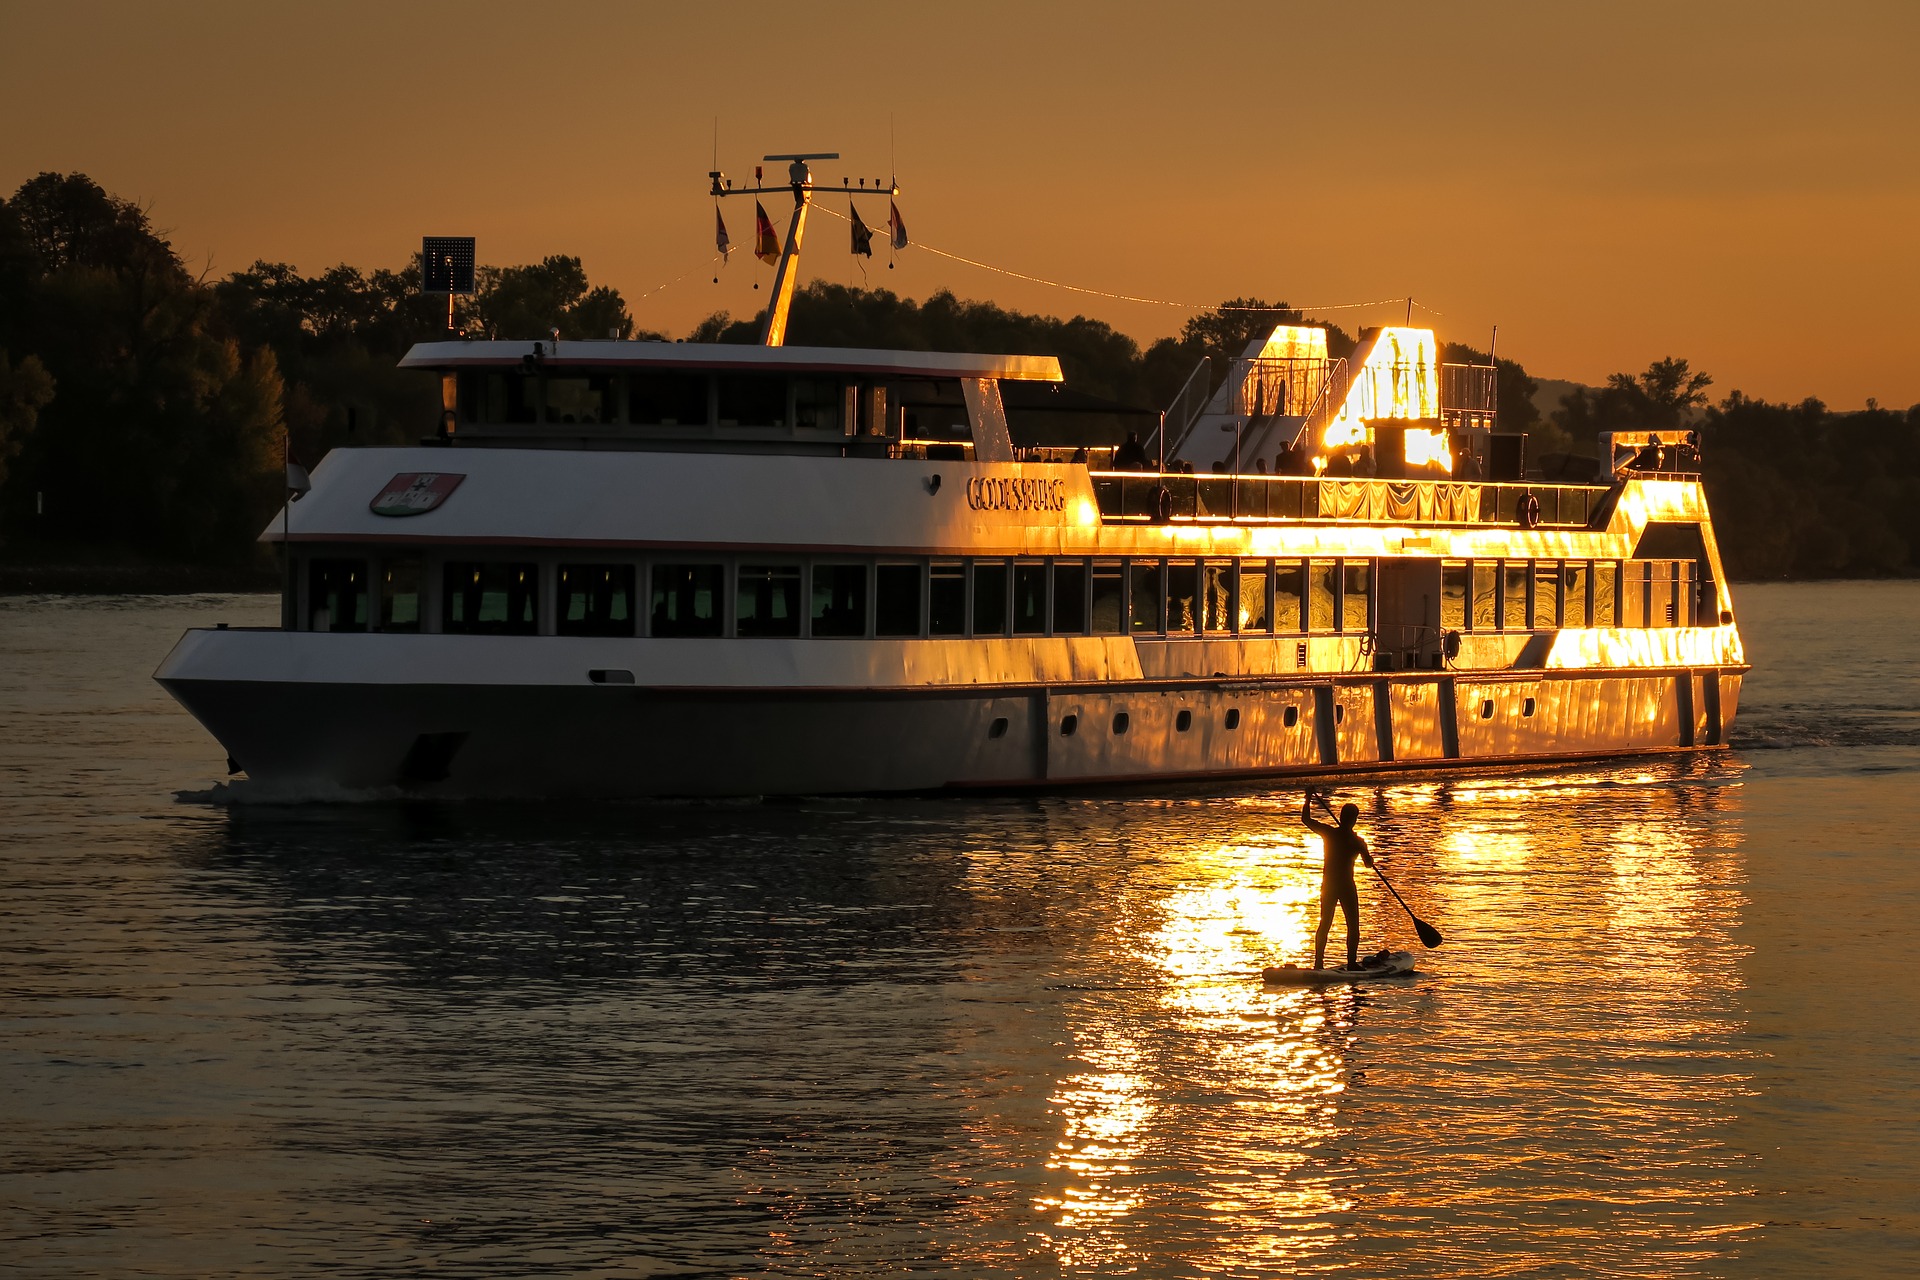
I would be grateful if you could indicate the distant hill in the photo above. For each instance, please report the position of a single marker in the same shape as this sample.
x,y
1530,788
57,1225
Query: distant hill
x,y
1550,391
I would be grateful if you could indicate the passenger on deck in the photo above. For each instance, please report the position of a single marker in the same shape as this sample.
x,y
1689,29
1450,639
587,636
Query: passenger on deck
x,y
1130,456
1650,458
1259,466
1363,462
1079,455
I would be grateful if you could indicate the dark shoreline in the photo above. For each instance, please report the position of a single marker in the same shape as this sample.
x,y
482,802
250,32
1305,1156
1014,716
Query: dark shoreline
x,y
134,579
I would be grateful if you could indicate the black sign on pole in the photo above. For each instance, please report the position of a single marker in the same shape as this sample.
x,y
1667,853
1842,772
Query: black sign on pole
x,y
447,264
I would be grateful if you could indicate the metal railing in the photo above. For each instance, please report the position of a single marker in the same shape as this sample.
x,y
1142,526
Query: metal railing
x,y
1128,497
1176,424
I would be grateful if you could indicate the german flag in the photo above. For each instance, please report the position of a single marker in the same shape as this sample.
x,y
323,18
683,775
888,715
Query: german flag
x,y
766,244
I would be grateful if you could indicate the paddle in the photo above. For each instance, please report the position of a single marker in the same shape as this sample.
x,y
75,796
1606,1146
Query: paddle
x,y
1429,936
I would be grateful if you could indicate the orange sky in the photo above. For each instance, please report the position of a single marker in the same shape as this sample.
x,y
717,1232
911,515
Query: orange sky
x,y
1738,184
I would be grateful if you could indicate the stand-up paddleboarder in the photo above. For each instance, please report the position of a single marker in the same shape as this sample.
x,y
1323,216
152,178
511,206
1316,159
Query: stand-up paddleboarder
x,y
1342,845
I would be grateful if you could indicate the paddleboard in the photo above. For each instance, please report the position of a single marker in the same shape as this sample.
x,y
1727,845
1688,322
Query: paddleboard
x,y
1383,964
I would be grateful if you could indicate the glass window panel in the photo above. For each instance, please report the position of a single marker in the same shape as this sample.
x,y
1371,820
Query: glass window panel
x,y
1029,599
595,600
1183,585
686,599
1513,595
403,585
1455,583
752,400
588,398
989,598
1633,593
1322,584
766,600
1289,594
1665,607
1486,595
1605,574
1546,594
510,398
1255,578
1147,595
839,599
1689,593
947,599
1573,595
896,599
491,598
1356,596
818,404
1109,598
667,399
1216,597
1069,597
337,595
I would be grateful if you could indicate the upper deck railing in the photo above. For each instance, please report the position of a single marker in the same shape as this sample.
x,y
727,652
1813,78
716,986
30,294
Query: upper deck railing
x,y
1132,497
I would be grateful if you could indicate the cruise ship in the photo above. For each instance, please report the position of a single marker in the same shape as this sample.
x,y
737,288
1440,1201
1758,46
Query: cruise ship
x,y
639,569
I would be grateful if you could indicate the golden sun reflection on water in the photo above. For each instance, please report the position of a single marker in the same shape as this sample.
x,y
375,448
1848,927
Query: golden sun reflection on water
x,y
1214,1125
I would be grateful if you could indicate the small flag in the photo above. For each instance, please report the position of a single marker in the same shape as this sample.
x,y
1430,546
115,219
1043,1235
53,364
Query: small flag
x,y
862,234
896,226
766,245
721,240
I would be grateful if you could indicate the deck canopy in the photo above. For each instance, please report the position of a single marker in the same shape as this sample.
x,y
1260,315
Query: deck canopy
x,y
610,354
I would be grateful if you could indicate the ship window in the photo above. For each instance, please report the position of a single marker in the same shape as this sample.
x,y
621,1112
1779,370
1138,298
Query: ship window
x,y
471,389
896,599
667,399
1233,717
595,600
753,400
1356,596
1687,592
1216,597
1633,593
1322,578
491,598
510,398
1456,581
1486,595
337,595
1339,712
766,600
998,729
989,598
839,599
1029,599
1069,597
401,585
1546,593
1146,595
686,600
1069,725
817,404
1574,577
589,398
1526,707
1109,598
1256,613
1605,574
1120,722
947,599
1183,582
1486,709
1183,721
1290,717
1662,575
1513,595
1289,587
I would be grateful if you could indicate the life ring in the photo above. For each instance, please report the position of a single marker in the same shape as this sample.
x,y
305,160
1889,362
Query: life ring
x,y
1529,511
1162,505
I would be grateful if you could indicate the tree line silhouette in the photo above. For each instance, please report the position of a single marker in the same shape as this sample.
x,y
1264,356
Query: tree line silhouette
x,y
144,409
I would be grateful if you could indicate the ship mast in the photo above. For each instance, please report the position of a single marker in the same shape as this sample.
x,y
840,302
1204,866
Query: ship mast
x,y
773,331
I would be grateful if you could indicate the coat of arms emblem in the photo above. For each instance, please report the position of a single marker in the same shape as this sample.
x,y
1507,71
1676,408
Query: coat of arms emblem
x,y
413,493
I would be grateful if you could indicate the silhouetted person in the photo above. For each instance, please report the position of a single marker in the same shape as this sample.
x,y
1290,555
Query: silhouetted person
x,y
1259,466
1130,456
1363,463
1079,455
1340,846
1649,458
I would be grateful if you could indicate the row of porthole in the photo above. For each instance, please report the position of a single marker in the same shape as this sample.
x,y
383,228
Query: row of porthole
x,y
1070,723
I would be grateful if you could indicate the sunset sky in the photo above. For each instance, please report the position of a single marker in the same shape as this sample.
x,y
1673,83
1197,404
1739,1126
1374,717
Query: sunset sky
x,y
1738,184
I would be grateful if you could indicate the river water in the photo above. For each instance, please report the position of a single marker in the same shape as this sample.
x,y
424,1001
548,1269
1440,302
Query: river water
x,y
1672,1031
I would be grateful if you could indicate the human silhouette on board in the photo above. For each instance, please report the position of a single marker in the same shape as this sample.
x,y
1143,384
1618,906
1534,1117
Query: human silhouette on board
x,y
1340,845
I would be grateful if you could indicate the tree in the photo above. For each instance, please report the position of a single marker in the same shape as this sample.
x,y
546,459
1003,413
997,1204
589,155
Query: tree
x,y
531,301
25,389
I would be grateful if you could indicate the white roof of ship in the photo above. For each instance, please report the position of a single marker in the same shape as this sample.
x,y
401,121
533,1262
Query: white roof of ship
x,y
611,353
